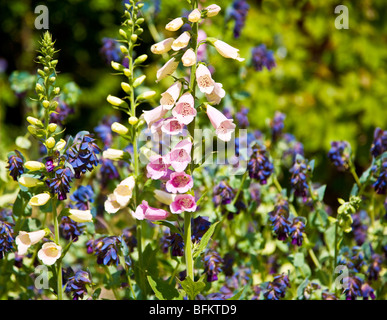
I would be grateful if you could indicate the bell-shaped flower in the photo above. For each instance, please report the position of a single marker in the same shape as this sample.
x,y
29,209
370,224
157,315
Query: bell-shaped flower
x,y
80,216
163,46
39,200
215,97
157,168
172,126
183,203
146,212
226,50
167,69
224,127
185,111
123,192
164,197
212,10
189,58
28,182
26,239
175,24
111,205
169,97
180,156
182,41
154,115
49,253
179,182
203,77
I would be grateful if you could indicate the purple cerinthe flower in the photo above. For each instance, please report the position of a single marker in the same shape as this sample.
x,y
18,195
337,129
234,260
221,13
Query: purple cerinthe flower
x,y
261,57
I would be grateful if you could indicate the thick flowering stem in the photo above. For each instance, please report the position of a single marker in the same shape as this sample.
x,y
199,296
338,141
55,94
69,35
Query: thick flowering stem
x,y
57,241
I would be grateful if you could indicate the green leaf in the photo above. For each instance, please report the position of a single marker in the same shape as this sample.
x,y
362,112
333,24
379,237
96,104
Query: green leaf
x,y
204,241
191,288
162,289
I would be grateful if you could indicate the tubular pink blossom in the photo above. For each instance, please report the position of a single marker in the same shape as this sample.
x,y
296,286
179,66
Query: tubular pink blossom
x,y
180,156
172,126
179,182
204,79
223,127
157,168
144,211
154,115
183,203
185,111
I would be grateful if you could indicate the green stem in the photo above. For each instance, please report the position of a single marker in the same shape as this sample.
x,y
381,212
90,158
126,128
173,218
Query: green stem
x,y
57,241
188,245
336,250
240,187
355,176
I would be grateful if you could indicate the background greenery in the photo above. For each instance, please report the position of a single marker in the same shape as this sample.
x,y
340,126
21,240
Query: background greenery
x,y
330,83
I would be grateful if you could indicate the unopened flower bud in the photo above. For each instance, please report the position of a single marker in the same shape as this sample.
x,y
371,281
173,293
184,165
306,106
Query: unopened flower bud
x,y
119,128
127,72
34,121
133,121
146,95
28,182
126,87
46,104
175,24
113,154
60,145
52,127
115,101
123,34
52,79
39,88
139,81
50,143
141,59
56,90
195,15
189,58
133,38
116,66
124,49
212,10
34,165
140,20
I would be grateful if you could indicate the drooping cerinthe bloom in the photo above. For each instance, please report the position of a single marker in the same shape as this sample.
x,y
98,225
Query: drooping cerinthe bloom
x,y
261,57
83,154
379,145
83,196
70,229
296,231
279,219
277,288
339,155
15,165
60,183
6,238
259,166
212,264
76,285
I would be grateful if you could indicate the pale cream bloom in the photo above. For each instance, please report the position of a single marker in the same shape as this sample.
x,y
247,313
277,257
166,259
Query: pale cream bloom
x,y
189,58
226,50
34,165
123,192
169,97
195,15
175,24
60,145
119,128
167,69
26,239
80,215
204,79
164,197
111,205
113,154
28,182
39,200
49,253
213,10
182,41
163,46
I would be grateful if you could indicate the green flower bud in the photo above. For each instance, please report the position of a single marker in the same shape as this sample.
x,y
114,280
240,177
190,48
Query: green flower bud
x,y
123,34
34,121
60,145
126,87
34,165
124,49
140,20
50,143
139,31
133,120
119,128
39,88
52,79
141,59
52,127
139,81
46,104
32,130
133,38
115,101
127,72
146,95
56,90
116,66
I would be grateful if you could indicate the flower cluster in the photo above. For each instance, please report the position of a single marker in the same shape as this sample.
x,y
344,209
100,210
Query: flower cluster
x,y
277,288
261,57
339,155
77,284
6,238
238,12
